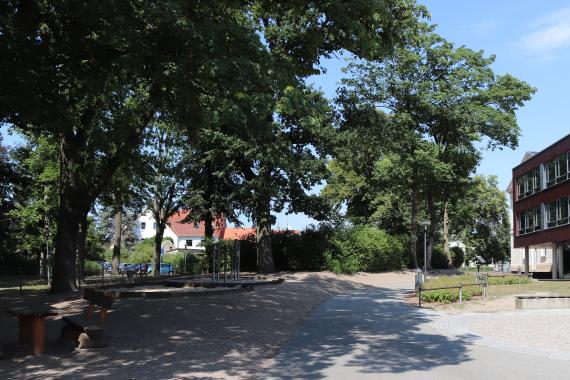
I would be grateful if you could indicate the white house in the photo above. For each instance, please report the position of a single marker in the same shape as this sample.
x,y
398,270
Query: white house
x,y
184,235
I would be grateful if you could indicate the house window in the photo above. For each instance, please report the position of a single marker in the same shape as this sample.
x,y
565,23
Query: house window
x,y
143,225
557,213
188,243
529,183
530,221
557,170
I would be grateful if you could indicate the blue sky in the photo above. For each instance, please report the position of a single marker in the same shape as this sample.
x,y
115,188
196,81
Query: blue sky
x,y
531,40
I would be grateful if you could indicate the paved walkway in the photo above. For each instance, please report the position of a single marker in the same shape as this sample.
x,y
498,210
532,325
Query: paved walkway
x,y
372,333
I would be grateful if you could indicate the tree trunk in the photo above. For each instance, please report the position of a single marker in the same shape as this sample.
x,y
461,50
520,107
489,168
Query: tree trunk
x,y
414,232
431,230
265,263
69,215
63,279
446,234
160,227
81,243
45,254
117,241
208,228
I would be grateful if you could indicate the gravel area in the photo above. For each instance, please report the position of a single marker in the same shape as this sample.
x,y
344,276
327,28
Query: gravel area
x,y
218,336
532,332
538,329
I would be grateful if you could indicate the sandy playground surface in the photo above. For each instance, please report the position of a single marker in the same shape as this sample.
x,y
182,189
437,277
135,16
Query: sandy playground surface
x,y
218,336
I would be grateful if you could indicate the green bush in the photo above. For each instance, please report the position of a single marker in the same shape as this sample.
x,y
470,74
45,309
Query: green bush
x,y
457,256
365,248
438,259
451,295
143,252
508,280
92,268
195,264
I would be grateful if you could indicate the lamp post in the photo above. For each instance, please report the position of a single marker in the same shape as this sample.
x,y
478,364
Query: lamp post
x,y
425,224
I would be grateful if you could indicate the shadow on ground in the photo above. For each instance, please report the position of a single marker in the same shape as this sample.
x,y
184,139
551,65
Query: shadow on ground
x,y
205,337
232,335
370,331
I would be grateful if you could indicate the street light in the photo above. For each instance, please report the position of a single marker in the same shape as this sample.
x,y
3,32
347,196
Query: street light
x,y
425,224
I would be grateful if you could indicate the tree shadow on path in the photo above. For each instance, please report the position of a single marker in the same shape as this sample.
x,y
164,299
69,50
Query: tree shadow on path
x,y
371,330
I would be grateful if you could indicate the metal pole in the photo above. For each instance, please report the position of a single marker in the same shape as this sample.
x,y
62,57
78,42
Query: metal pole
x,y
425,253
102,275
460,293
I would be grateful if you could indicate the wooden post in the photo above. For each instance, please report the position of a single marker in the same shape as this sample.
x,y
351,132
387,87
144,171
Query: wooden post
x,y
25,329
38,335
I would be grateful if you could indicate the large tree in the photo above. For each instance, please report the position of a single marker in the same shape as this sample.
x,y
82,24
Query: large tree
x,y
451,99
166,154
95,75
298,36
481,219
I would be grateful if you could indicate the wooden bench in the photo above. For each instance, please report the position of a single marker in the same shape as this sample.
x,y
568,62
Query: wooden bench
x,y
87,331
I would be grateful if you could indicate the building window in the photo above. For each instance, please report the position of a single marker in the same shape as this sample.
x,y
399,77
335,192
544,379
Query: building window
x,y
557,213
188,243
143,225
529,183
530,221
154,226
557,170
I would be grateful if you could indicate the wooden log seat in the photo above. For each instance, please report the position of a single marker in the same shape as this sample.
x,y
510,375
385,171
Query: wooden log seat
x,y
86,330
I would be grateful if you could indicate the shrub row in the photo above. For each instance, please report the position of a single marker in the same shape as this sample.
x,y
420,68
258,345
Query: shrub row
x,y
451,295
508,280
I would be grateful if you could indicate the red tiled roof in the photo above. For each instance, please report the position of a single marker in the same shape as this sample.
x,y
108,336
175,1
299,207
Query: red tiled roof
x,y
194,229
243,233
238,233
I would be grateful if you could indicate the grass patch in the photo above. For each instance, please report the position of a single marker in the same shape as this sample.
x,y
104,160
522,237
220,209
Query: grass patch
x,y
559,288
509,280
450,295
498,287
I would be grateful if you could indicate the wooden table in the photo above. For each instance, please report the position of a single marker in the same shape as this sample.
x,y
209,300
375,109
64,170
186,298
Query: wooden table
x,y
32,319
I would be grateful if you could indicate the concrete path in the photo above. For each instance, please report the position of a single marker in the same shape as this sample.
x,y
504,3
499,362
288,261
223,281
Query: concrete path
x,y
373,334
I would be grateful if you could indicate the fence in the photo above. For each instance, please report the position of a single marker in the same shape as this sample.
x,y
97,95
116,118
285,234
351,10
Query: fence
x,y
460,287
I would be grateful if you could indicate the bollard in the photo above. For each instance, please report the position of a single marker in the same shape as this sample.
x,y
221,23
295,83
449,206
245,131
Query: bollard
x,y
420,296
460,293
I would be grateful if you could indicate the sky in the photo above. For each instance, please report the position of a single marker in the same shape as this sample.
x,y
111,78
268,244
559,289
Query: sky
x,y
531,40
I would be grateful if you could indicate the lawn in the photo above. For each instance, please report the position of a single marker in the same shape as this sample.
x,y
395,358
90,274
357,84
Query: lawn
x,y
498,287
